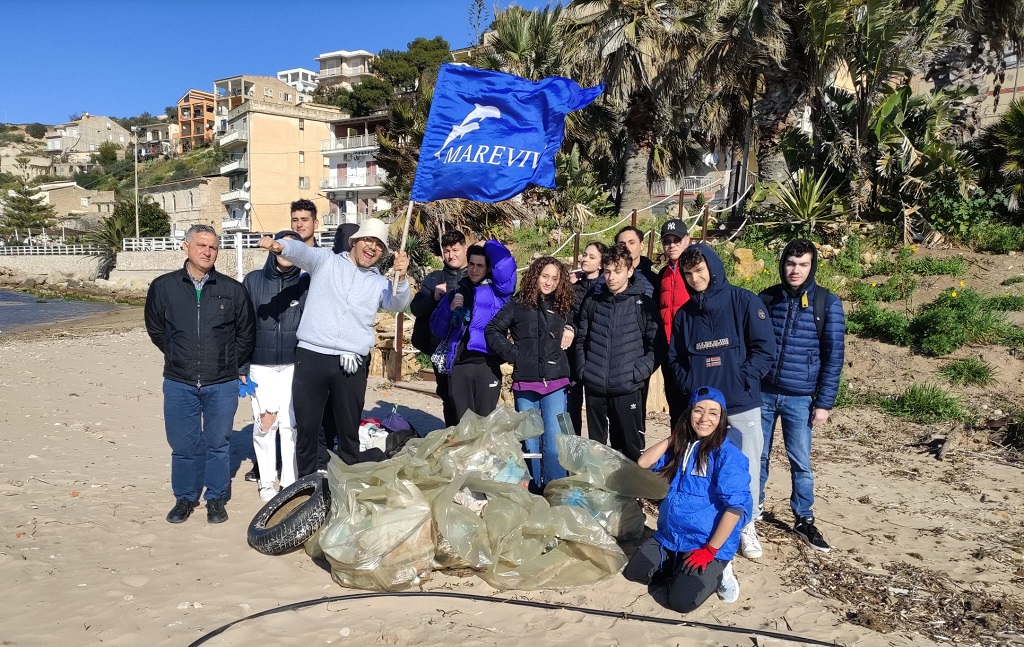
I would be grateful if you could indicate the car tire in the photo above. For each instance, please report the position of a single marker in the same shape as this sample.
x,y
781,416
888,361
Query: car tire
x,y
291,517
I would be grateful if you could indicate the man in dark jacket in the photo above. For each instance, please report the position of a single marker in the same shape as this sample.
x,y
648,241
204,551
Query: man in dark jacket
x,y
721,337
643,268
278,294
615,355
802,387
203,323
433,288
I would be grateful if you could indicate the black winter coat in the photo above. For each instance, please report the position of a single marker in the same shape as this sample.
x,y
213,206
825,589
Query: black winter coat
x,y
278,297
615,341
205,341
535,351
423,305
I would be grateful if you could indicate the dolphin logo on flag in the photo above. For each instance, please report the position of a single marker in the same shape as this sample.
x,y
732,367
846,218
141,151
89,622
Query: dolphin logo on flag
x,y
469,124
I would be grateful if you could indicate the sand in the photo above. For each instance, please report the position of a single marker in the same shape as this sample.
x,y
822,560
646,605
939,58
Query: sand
x,y
87,557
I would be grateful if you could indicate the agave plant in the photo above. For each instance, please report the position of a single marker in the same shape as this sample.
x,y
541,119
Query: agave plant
x,y
806,202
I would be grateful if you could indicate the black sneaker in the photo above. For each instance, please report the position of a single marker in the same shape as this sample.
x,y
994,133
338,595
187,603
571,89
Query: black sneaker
x,y
215,512
181,512
809,534
253,475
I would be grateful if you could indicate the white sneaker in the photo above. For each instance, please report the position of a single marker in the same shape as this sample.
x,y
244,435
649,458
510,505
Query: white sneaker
x,y
267,493
728,585
750,546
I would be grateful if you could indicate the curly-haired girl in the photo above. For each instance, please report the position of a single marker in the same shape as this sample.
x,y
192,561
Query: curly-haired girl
x,y
532,332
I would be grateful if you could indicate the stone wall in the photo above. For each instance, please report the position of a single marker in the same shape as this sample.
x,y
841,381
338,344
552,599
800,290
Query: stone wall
x,y
146,266
69,266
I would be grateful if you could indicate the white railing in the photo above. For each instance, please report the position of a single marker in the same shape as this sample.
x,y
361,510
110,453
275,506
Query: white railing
x,y
238,195
48,250
235,163
346,143
233,137
237,240
352,181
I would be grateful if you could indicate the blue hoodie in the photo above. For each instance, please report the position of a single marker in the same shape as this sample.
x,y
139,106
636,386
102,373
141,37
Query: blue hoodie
x,y
722,337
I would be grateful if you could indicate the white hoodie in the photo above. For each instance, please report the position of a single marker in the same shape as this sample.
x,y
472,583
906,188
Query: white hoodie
x,y
343,300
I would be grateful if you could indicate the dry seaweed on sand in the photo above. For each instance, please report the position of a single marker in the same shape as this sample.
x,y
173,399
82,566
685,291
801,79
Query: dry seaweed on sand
x,y
909,598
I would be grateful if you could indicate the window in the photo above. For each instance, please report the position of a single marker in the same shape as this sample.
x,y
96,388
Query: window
x,y
121,137
287,96
267,92
302,124
83,202
303,182
327,162
302,157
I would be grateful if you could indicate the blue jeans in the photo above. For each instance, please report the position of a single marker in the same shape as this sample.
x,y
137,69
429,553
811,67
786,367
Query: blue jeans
x,y
548,468
198,421
795,411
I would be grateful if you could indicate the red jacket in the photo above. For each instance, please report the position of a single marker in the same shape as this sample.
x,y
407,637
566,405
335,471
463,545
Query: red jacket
x,y
672,295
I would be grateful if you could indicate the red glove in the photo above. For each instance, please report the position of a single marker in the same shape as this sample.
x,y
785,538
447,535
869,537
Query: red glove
x,y
700,558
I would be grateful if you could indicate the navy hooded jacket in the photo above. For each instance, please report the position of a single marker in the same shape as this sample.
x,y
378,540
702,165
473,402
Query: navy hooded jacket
x,y
804,364
721,337
278,296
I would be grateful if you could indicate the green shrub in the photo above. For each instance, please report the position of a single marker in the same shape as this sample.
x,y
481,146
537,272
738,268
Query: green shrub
x,y
953,319
972,371
423,360
1005,302
953,214
35,130
997,238
894,288
870,320
847,261
934,266
1013,280
924,404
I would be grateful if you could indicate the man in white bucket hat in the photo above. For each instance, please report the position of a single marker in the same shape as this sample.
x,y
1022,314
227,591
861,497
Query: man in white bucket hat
x,y
335,336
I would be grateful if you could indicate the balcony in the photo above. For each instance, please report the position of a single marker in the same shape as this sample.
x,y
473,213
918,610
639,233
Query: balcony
x,y
354,181
344,70
238,195
234,139
235,164
348,143
235,224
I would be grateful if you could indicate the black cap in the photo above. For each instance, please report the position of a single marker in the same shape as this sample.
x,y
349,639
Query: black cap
x,y
674,227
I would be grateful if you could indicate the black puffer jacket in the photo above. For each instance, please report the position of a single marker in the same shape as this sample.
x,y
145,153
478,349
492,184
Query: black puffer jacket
x,y
208,340
278,297
615,341
423,305
535,351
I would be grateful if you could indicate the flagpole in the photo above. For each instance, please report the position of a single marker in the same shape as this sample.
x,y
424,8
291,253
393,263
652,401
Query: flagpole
x,y
405,237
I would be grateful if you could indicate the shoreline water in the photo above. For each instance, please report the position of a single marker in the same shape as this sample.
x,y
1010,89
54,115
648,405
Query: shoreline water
x,y
21,311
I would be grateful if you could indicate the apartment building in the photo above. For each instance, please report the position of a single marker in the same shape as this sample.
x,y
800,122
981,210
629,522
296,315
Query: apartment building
x,y
191,201
303,81
352,182
274,158
156,139
232,92
72,145
344,68
76,207
195,121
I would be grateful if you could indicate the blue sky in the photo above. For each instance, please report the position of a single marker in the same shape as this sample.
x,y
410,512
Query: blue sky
x,y
121,58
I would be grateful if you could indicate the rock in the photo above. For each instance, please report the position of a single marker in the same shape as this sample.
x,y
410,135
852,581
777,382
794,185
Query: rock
x,y
74,283
105,284
869,258
376,362
28,283
746,265
827,251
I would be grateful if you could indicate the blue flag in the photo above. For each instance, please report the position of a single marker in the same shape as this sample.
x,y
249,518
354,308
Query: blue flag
x,y
491,134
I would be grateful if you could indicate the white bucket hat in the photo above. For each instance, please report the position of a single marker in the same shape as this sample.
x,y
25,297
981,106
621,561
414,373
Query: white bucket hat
x,y
373,228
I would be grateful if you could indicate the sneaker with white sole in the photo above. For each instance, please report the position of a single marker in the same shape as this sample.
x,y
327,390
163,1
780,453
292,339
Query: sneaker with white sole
x,y
267,493
728,585
750,546
805,529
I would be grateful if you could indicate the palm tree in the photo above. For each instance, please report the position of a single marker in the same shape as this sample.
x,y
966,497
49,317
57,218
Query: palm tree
x,y
999,154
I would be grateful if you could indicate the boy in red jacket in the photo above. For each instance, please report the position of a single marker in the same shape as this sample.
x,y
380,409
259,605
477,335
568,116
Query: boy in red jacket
x,y
672,295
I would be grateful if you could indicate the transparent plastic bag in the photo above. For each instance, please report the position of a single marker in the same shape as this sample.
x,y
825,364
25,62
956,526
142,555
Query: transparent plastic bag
x,y
605,484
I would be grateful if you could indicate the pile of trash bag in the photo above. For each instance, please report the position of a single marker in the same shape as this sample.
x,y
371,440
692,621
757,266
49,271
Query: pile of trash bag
x,y
458,498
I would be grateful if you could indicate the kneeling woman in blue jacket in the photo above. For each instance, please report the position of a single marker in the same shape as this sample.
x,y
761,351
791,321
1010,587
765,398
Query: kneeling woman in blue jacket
x,y
708,502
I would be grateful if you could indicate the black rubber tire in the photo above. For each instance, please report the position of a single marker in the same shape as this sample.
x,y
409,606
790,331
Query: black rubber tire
x,y
291,517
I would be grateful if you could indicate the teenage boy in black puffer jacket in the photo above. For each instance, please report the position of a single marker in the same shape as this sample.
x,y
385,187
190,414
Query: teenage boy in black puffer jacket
x,y
615,355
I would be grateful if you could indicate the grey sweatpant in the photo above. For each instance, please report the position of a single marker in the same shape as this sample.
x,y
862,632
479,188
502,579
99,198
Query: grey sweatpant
x,y
748,423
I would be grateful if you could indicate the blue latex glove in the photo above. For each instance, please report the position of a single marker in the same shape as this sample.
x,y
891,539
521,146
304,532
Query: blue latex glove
x,y
246,389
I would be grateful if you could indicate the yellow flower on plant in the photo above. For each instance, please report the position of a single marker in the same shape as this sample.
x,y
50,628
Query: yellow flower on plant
x,y
961,284
748,278
874,285
953,293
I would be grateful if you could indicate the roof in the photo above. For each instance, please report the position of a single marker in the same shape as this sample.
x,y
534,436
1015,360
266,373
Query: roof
x,y
343,54
57,185
205,94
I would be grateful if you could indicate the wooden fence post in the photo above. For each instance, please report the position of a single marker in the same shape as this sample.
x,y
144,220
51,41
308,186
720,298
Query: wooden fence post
x,y
704,225
575,250
399,342
632,219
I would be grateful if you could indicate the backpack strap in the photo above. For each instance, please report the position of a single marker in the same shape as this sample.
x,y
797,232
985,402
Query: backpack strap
x,y
821,295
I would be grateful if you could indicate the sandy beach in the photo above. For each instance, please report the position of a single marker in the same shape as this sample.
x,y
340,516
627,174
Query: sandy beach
x,y
88,558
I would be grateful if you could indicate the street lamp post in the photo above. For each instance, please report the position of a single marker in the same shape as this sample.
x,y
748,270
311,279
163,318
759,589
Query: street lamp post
x,y
135,165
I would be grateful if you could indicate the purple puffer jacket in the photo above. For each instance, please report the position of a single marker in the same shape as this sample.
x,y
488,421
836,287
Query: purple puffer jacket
x,y
488,297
